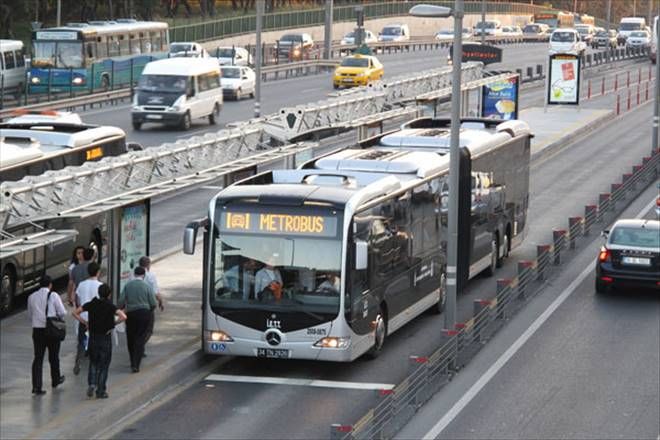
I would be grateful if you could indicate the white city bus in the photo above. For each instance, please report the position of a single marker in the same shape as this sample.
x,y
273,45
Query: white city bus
x,y
324,262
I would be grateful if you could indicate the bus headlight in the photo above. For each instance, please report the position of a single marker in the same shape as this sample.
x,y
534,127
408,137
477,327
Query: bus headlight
x,y
332,342
220,336
78,80
35,80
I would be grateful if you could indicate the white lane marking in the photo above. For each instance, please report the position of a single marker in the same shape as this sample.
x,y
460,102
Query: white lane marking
x,y
212,188
299,382
191,133
645,211
109,108
437,429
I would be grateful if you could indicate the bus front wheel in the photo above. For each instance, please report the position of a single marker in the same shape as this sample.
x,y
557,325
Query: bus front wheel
x,y
7,290
380,334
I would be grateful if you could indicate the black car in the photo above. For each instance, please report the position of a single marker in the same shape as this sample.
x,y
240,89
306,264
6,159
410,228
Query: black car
x,y
631,256
605,39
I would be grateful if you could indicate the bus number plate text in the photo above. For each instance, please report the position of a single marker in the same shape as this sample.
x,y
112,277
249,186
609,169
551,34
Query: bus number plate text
x,y
277,353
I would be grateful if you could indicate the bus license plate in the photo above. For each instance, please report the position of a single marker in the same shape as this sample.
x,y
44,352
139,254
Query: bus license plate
x,y
636,260
154,116
277,353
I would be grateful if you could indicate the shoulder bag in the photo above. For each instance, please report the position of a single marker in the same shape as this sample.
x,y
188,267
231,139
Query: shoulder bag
x,y
55,327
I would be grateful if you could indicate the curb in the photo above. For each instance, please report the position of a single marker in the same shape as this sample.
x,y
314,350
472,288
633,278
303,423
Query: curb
x,y
89,417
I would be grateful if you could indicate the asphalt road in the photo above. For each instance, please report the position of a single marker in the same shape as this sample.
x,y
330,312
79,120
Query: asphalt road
x,y
560,186
300,90
589,371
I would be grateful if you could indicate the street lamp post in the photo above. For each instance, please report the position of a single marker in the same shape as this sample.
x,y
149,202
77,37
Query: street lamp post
x,y
452,214
257,84
655,138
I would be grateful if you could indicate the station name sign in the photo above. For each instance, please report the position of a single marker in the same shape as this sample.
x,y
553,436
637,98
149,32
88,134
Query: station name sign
x,y
480,52
277,223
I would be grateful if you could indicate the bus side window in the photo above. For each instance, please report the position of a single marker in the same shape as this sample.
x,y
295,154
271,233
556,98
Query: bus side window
x,y
101,47
156,41
113,46
163,41
214,80
145,44
134,43
190,89
89,46
123,45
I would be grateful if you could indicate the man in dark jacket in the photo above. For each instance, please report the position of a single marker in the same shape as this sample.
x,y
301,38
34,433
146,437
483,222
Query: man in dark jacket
x,y
138,299
101,313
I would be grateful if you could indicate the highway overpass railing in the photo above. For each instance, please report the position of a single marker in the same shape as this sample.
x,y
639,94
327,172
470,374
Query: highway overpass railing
x,y
428,374
228,27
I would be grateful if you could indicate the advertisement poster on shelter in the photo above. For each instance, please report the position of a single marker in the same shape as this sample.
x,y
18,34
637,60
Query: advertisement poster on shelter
x,y
134,239
564,86
500,99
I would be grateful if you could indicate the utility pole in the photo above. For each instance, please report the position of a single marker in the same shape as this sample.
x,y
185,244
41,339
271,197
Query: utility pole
x,y
655,144
609,12
257,85
327,36
59,13
483,19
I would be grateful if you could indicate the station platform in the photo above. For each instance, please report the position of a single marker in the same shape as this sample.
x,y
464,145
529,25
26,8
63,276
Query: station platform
x,y
174,349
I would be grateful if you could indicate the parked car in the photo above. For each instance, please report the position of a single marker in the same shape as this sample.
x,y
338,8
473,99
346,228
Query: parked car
x,y
605,39
566,40
638,40
448,34
394,32
512,31
630,256
237,81
233,56
187,50
12,66
536,31
357,70
586,32
367,38
294,46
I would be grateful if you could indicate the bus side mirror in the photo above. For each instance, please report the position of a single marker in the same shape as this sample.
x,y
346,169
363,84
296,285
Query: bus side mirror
x,y
190,237
361,255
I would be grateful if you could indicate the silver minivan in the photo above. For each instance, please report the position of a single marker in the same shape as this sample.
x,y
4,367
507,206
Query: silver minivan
x,y
174,91
12,67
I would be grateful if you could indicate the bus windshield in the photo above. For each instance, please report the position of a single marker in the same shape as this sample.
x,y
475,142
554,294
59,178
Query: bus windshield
x,y
58,54
297,271
630,26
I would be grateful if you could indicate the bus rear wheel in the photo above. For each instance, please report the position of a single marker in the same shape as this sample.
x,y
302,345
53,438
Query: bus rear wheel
x,y
380,334
494,256
439,307
7,290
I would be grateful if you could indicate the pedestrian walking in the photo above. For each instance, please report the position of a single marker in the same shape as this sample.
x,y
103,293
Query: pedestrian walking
x,y
79,273
41,304
150,279
85,292
98,316
76,258
137,298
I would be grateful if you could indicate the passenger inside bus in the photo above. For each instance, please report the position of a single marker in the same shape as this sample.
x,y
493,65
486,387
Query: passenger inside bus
x,y
268,281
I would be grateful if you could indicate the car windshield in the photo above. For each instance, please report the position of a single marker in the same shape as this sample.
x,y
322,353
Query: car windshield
x,y
485,25
163,83
225,52
630,26
292,37
639,34
391,31
602,34
582,30
355,62
637,237
57,54
228,72
283,262
563,37
531,29
180,47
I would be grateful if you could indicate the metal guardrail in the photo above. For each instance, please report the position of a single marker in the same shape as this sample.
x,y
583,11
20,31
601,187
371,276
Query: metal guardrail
x,y
428,374
227,27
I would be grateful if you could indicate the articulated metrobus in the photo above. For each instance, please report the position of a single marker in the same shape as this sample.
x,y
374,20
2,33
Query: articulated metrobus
x,y
32,144
324,262
95,55
555,19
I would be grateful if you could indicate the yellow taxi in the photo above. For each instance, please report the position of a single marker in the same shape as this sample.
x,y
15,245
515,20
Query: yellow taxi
x,y
357,70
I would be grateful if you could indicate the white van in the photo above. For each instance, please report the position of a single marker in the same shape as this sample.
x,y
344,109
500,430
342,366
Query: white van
x,y
566,40
12,66
629,25
394,32
173,91
490,28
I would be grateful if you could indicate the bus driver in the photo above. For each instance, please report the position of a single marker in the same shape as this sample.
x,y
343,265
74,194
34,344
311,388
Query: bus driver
x,y
268,280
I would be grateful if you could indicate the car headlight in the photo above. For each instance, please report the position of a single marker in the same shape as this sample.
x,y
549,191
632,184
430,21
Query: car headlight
x,y
332,342
178,104
35,80
78,80
220,336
